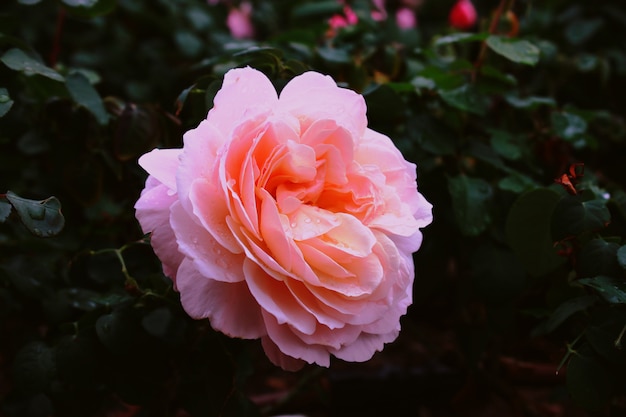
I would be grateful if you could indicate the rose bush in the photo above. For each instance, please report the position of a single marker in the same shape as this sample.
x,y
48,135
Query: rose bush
x,y
288,219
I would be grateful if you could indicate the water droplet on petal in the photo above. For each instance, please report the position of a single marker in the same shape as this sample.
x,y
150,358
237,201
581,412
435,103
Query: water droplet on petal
x,y
294,224
307,220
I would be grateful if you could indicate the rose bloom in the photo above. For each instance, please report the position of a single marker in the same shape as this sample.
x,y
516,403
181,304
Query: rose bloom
x,y
287,219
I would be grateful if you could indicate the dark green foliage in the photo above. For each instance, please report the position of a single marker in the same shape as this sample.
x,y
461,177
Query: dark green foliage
x,y
526,250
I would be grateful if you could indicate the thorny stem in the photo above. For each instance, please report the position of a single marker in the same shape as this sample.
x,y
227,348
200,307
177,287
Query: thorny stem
x,y
618,341
304,381
130,281
56,46
503,7
570,351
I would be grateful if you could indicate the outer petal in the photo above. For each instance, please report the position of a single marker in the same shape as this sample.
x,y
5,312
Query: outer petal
x,y
291,345
243,90
365,346
162,165
210,258
229,306
312,96
152,212
278,358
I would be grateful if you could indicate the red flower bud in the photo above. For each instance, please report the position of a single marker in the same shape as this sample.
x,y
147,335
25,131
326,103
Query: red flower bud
x,y
462,15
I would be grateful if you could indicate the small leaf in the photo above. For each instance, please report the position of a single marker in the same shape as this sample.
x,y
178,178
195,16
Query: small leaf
x,y
42,218
528,230
621,256
85,95
5,102
17,60
530,103
520,51
334,55
460,38
568,125
89,8
504,144
573,216
466,98
470,201
598,257
516,183
5,210
612,289
563,312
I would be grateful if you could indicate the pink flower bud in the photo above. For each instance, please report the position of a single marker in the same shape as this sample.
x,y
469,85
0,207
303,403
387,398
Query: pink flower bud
x,y
239,21
405,18
462,15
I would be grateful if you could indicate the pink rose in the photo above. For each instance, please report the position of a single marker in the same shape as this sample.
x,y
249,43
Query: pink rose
x,y
287,219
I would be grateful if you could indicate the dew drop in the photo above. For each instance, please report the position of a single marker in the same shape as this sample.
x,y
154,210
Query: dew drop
x,y
307,220
294,224
318,221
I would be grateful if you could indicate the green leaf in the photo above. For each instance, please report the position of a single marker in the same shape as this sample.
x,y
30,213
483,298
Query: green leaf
x,y
460,38
573,216
564,312
34,368
581,30
5,210
470,203
528,230
17,60
5,102
568,125
466,98
531,102
334,55
598,257
612,289
42,218
316,9
621,256
588,382
504,144
432,135
85,95
520,51
605,334
89,8
516,183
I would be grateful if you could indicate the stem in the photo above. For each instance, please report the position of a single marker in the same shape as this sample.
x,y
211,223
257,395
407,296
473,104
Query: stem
x,y
56,46
618,342
503,7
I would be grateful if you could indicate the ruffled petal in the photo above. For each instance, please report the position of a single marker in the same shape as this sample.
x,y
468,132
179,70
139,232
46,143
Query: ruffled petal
x,y
229,306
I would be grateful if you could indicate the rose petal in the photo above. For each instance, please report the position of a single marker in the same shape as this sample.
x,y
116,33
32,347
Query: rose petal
x,y
211,259
276,299
201,298
312,96
162,165
243,90
278,358
291,345
152,212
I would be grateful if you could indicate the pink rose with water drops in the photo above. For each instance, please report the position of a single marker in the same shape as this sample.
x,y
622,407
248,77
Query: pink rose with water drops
x,y
286,218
